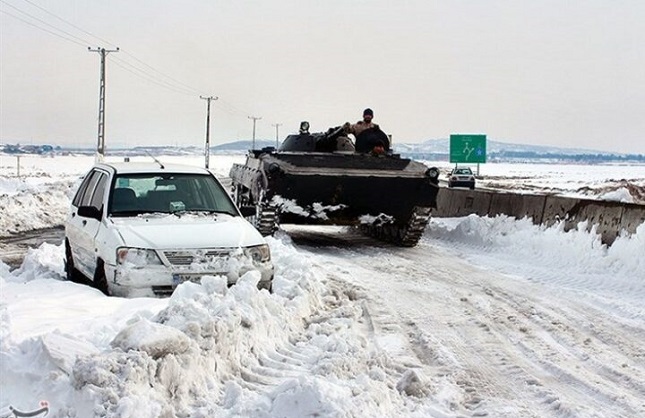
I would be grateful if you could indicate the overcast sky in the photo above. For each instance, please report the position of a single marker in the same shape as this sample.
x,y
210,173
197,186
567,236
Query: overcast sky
x,y
561,73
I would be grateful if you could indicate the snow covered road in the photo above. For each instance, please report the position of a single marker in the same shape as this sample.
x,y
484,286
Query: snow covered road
x,y
487,316
471,322
505,345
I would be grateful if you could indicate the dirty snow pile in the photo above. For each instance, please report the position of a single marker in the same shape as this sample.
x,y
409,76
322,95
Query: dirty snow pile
x,y
207,351
624,183
34,203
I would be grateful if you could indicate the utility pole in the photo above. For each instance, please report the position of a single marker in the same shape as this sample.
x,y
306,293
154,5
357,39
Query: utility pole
x,y
100,149
207,150
255,118
277,125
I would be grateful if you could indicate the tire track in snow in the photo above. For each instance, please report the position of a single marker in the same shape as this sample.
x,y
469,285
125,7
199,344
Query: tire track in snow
x,y
502,340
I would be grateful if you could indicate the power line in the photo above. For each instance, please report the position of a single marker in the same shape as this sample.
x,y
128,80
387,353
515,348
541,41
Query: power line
x,y
160,73
151,75
126,66
43,22
79,41
68,22
41,28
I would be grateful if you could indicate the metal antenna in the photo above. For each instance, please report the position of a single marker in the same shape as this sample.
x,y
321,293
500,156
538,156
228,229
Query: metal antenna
x,y
156,160
100,149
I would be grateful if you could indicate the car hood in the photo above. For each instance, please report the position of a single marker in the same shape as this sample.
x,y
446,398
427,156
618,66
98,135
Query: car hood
x,y
187,231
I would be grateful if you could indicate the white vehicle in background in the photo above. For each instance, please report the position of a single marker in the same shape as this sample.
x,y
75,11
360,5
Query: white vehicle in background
x,y
461,177
140,229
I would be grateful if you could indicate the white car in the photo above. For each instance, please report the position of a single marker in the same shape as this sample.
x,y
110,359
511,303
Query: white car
x,y
140,229
461,177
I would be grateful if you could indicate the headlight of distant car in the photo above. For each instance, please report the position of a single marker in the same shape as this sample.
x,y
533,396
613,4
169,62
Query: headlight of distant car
x,y
258,253
137,257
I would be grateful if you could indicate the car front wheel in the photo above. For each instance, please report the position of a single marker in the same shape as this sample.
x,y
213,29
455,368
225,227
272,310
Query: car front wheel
x,y
71,273
100,280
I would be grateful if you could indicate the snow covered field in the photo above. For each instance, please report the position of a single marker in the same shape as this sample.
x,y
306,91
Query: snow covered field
x,y
485,317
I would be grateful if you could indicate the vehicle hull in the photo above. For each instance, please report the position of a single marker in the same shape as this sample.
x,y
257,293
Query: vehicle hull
x,y
336,188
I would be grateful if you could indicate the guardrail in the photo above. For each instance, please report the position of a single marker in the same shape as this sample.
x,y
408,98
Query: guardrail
x,y
610,217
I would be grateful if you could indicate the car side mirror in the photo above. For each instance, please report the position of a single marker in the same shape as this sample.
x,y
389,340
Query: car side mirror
x,y
90,212
247,211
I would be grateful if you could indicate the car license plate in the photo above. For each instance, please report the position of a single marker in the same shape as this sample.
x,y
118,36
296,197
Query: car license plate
x,y
178,279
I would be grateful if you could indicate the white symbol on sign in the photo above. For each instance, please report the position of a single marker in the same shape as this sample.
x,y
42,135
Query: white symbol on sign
x,y
468,150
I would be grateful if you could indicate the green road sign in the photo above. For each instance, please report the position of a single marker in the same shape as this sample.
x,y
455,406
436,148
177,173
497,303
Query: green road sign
x,y
467,148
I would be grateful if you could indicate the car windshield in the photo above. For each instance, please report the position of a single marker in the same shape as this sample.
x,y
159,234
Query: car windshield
x,y
462,171
134,194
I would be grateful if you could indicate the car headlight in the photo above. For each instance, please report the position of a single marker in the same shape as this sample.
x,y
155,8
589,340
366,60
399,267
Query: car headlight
x,y
139,257
258,253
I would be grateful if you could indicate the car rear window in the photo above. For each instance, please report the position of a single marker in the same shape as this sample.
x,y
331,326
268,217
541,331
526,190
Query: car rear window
x,y
463,171
168,192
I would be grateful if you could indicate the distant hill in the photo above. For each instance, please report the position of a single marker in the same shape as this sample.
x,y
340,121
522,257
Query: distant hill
x,y
439,150
432,149
442,146
239,147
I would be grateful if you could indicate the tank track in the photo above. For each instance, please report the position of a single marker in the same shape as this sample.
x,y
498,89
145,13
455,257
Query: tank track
x,y
407,235
266,220
266,215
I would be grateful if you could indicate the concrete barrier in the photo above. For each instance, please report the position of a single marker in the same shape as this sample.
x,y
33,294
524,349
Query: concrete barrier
x,y
610,218
633,216
528,206
605,216
557,208
501,204
443,203
465,202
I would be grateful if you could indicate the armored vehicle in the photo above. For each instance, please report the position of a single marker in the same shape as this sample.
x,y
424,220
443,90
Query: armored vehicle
x,y
324,178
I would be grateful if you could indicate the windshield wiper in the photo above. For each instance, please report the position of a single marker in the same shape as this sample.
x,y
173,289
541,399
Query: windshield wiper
x,y
208,211
125,213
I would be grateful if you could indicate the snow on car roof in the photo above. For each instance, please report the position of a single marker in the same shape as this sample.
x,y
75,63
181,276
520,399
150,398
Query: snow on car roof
x,y
138,167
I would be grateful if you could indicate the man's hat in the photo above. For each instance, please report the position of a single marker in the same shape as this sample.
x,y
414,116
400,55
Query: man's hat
x,y
368,111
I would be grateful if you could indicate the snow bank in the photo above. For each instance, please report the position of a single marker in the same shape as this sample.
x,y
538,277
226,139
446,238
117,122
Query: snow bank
x,y
620,195
208,350
529,243
27,206
576,259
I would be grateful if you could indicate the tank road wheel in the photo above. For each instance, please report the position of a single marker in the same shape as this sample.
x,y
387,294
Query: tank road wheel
x,y
240,195
407,235
266,218
410,234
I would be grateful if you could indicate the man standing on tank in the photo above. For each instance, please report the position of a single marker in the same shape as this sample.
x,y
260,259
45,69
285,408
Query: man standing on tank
x,y
361,125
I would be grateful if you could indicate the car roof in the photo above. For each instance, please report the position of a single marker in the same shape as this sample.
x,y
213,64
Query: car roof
x,y
137,167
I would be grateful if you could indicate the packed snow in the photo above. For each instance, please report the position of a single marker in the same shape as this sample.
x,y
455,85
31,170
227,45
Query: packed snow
x,y
485,317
